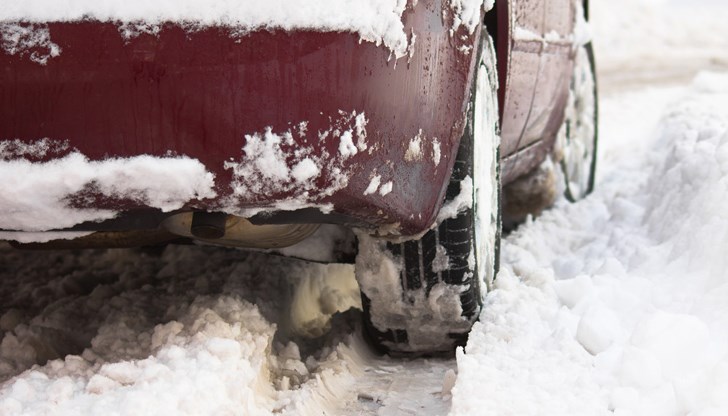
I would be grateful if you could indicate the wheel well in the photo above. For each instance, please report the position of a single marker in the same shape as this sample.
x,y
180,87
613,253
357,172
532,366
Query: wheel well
x,y
496,23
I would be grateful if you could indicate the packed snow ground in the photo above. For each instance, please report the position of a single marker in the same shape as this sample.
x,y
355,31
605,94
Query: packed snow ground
x,y
616,304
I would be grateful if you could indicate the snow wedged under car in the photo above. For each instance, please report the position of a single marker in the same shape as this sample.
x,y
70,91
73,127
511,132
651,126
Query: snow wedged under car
x,y
249,131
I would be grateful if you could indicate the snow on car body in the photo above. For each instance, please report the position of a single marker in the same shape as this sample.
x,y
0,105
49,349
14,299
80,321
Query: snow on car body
x,y
268,111
148,121
118,82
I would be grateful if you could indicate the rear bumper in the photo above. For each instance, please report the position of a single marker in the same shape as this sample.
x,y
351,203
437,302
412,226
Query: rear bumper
x,y
281,120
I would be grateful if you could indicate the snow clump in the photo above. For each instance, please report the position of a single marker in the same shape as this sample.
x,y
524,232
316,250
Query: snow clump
x,y
37,196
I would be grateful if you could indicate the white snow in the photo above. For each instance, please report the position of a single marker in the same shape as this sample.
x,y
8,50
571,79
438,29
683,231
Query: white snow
x,y
523,34
618,304
305,170
360,127
34,41
378,21
385,189
346,145
37,196
436,151
467,13
460,203
263,168
414,150
373,185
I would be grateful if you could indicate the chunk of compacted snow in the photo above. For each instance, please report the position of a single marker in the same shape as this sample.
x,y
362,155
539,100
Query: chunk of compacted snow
x,y
38,196
618,304
467,12
460,203
435,311
323,245
414,150
373,185
378,21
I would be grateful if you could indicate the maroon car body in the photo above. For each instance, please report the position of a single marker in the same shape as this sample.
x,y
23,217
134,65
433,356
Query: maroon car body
x,y
200,93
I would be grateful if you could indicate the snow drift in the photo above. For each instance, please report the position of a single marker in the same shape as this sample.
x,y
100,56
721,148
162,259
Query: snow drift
x,y
618,303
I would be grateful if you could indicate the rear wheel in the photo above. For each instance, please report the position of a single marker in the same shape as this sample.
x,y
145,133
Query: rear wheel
x,y
576,142
422,296
574,152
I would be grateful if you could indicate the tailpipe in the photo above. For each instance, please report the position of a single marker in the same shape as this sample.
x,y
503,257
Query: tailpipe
x,y
230,230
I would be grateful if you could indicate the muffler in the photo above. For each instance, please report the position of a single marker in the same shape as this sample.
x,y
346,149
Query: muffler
x,y
229,230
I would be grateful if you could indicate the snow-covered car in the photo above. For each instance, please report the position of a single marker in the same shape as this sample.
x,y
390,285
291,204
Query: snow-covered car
x,y
281,125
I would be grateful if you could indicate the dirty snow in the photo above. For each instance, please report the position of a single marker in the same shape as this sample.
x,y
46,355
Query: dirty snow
x,y
323,245
39,149
436,152
617,304
414,150
153,334
378,274
192,330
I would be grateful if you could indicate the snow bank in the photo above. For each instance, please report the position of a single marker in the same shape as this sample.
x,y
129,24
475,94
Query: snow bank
x,y
618,303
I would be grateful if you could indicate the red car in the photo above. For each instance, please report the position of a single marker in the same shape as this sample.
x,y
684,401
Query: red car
x,y
251,124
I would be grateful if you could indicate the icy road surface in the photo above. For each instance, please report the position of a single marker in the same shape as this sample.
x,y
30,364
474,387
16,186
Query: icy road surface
x,y
615,305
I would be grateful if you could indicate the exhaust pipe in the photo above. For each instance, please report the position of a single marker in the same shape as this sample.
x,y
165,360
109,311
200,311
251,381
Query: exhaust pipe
x,y
229,230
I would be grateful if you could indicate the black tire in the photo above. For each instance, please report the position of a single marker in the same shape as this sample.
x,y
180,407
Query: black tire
x,y
415,302
576,142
